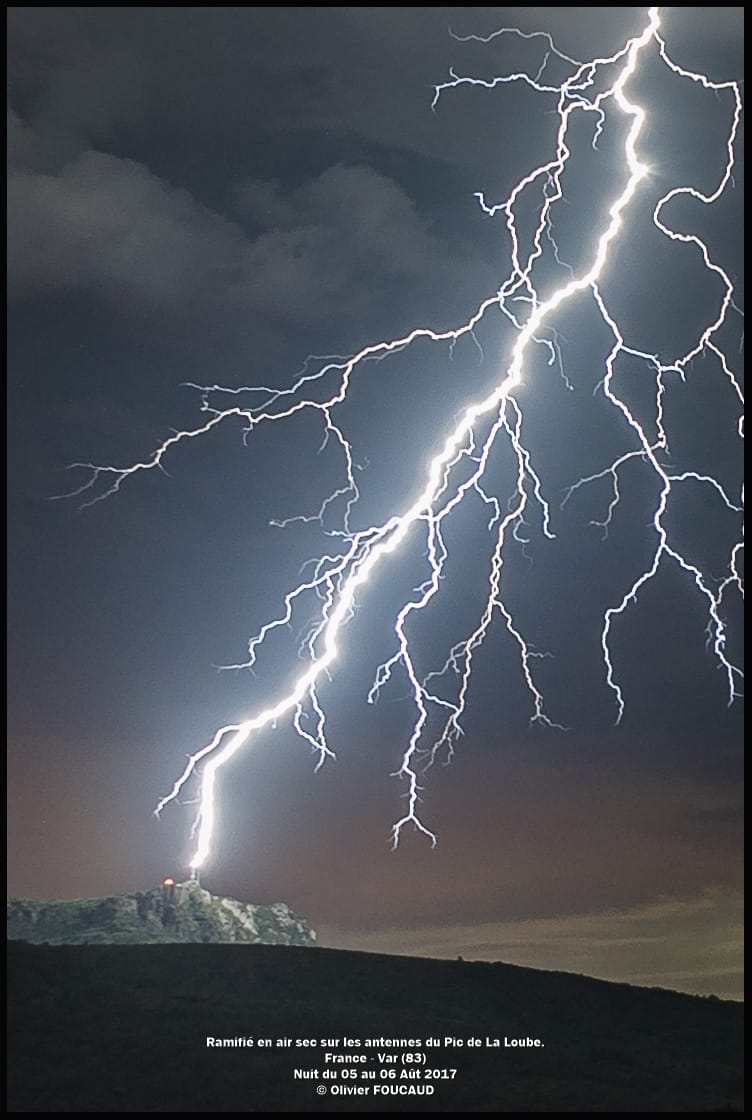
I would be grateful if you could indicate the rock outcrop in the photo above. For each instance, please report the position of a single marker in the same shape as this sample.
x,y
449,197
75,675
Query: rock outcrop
x,y
180,912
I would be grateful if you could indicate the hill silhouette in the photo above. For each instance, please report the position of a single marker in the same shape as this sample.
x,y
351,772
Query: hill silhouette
x,y
123,1028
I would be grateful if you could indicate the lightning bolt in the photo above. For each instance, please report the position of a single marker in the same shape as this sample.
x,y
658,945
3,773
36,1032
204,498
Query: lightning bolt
x,y
459,472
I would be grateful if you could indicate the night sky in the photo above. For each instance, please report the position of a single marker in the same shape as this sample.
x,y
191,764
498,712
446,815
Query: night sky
x,y
210,195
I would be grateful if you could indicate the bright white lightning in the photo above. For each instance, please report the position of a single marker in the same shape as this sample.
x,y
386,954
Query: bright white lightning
x,y
458,468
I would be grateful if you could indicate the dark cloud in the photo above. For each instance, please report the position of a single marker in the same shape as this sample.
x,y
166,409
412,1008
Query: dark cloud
x,y
103,101
100,72
99,98
322,239
109,226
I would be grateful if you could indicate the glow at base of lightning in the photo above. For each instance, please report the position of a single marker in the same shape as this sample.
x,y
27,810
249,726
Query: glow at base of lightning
x,y
458,468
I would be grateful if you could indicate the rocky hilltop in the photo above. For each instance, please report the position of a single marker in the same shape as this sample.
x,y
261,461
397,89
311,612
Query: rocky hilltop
x,y
173,912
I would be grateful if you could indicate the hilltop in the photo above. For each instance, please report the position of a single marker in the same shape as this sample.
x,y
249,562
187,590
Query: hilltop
x,y
174,912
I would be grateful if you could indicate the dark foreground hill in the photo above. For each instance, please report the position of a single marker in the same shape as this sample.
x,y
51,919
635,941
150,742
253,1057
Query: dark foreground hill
x,y
124,1028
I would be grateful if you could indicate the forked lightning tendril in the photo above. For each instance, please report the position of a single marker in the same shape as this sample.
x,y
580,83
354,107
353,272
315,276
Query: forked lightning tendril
x,y
458,473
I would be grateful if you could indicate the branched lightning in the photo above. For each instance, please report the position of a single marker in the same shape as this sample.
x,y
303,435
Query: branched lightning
x,y
458,473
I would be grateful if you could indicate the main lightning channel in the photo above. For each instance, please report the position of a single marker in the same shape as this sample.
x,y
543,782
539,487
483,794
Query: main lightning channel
x,y
337,579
